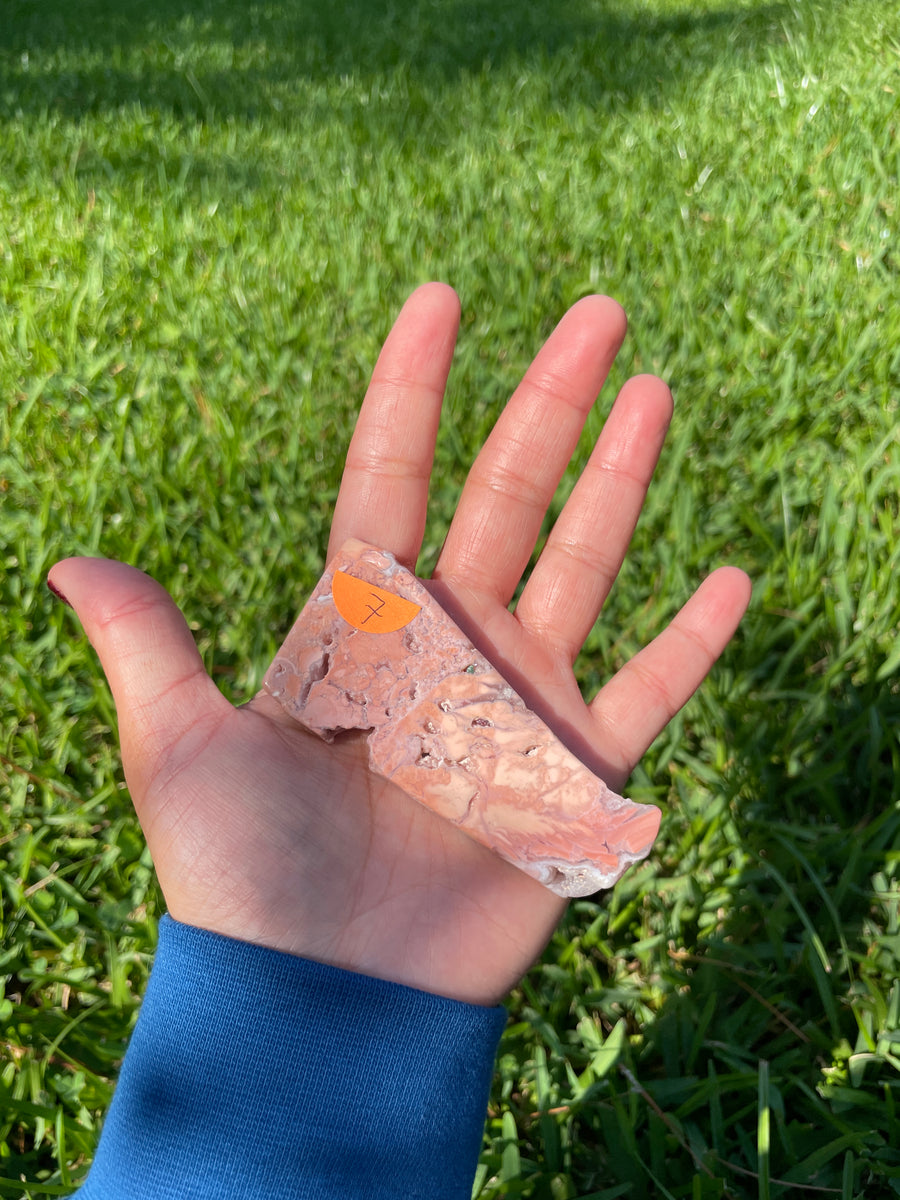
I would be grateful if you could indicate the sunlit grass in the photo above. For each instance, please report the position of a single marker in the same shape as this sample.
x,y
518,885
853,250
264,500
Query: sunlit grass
x,y
208,218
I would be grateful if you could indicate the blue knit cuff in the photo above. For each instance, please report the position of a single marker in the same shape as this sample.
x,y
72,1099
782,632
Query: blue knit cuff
x,y
253,1073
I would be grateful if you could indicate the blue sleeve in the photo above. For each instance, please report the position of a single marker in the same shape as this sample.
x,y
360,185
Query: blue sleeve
x,y
255,1074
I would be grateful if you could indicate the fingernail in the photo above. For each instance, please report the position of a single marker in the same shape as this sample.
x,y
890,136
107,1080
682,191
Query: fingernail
x,y
57,593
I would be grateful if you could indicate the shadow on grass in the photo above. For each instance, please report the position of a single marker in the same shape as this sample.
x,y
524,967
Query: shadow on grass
x,y
203,59
797,976
780,976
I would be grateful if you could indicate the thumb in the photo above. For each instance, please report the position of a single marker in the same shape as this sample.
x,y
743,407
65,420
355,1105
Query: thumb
x,y
158,681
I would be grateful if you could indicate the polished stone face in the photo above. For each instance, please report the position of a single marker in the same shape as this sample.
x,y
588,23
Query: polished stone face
x,y
443,725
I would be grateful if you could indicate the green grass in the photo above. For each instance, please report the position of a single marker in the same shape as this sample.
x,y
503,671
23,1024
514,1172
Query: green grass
x,y
208,217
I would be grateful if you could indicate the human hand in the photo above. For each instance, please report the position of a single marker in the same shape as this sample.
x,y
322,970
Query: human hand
x,y
260,831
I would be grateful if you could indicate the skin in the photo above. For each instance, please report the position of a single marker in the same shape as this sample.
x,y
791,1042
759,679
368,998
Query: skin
x,y
260,831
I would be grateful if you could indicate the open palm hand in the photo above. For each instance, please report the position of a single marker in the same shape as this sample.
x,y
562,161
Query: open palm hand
x,y
262,832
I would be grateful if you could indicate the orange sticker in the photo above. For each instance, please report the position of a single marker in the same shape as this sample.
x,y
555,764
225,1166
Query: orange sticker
x,y
370,608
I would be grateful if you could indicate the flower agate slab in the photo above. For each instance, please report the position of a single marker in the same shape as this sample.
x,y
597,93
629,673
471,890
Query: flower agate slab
x,y
372,650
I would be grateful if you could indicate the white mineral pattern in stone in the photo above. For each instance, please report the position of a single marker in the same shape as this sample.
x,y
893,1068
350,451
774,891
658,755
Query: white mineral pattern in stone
x,y
443,725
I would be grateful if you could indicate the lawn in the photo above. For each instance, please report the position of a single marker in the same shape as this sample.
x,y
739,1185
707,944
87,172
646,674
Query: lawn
x,y
209,214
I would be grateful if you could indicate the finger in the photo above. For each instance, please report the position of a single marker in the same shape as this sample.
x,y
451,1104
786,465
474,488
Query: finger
x,y
160,687
642,698
588,543
516,474
384,490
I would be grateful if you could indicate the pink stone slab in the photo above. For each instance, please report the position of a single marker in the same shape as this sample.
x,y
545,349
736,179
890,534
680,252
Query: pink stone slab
x,y
445,726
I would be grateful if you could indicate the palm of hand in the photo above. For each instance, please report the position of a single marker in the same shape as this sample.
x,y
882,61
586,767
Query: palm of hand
x,y
306,851
262,832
